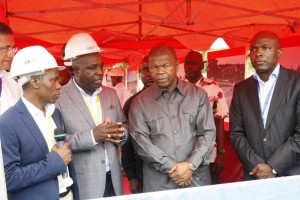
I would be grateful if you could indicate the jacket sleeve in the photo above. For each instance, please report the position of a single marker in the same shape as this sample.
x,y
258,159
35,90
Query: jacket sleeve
x,y
81,140
206,133
238,135
286,156
128,160
18,176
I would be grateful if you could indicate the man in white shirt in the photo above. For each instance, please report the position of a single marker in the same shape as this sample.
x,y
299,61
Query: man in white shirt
x,y
10,91
118,83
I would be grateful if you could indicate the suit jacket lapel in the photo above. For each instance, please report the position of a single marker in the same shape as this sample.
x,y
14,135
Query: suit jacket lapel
x,y
254,102
56,116
79,103
32,126
104,104
278,94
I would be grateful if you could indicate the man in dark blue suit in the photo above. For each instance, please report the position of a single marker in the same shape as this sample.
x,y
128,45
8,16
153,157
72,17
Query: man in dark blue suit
x,y
33,163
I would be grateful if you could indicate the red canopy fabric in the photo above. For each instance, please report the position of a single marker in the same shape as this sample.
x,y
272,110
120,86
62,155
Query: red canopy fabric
x,y
127,29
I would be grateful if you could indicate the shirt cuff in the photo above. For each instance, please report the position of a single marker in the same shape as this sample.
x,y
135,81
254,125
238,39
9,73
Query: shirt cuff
x,y
94,141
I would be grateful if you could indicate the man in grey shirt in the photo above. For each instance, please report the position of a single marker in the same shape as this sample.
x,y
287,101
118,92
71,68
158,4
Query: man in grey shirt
x,y
172,127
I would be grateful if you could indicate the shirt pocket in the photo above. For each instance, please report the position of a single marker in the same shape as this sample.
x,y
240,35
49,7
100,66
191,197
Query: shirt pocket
x,y
112,113
190,116
155,123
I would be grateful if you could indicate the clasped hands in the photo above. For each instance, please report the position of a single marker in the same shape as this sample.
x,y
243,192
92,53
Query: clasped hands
x,y
181,174
262,171
109,131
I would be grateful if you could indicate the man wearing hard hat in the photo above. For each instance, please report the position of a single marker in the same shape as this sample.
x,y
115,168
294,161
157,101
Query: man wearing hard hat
x,y
33,163
93,120
118,83
116,76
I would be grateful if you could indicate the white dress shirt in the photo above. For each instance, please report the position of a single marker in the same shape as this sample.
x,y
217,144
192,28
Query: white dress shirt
x,y
11,92
265,92
92,102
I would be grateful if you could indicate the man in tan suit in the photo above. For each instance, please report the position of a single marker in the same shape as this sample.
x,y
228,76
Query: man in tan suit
x,y
93,121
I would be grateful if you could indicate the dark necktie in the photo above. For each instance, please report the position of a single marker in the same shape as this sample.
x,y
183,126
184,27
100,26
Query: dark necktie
x,y
0,85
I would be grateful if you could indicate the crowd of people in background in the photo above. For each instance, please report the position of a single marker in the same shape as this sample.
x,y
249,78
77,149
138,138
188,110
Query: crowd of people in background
x,y
71,139
233,73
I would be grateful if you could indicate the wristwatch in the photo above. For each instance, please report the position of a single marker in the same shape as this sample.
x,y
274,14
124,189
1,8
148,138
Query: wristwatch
x,y
192,167
221,151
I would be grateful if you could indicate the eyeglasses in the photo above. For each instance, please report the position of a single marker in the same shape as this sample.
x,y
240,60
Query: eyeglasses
x,y
14,49
164,66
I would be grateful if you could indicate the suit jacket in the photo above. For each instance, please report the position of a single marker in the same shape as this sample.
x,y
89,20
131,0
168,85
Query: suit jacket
x,y
89,158
31,171
278,144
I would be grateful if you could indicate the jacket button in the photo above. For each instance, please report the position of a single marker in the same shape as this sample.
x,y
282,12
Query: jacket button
x,y
265,139
103,161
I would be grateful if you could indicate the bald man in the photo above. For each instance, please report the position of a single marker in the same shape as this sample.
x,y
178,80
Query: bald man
x,y
172,127
265,114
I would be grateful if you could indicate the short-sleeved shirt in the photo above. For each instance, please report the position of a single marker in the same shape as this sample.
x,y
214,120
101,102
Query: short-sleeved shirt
x,y
215,94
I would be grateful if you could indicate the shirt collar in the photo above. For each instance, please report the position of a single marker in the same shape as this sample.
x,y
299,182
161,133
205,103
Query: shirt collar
x,y
2,73
180,87
33,110
96,92
157,92
275,73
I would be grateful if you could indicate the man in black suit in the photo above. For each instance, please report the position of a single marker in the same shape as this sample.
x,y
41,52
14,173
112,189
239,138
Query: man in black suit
x,y
265,114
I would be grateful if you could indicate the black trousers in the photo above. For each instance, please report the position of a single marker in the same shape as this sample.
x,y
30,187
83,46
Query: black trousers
x,y
215,178
109,188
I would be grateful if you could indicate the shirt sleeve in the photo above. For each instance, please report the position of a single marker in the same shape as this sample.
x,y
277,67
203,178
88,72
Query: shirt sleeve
x,y
222,107
206,134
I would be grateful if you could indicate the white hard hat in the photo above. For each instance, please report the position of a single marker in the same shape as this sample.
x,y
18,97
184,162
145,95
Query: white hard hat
x,y
31,61
132,76
80,44
115,72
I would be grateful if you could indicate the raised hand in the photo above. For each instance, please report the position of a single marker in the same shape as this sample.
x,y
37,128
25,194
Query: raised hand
x,y
109,131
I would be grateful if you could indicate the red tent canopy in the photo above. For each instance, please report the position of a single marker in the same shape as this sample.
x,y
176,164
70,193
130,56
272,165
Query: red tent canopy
x,y
127,29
